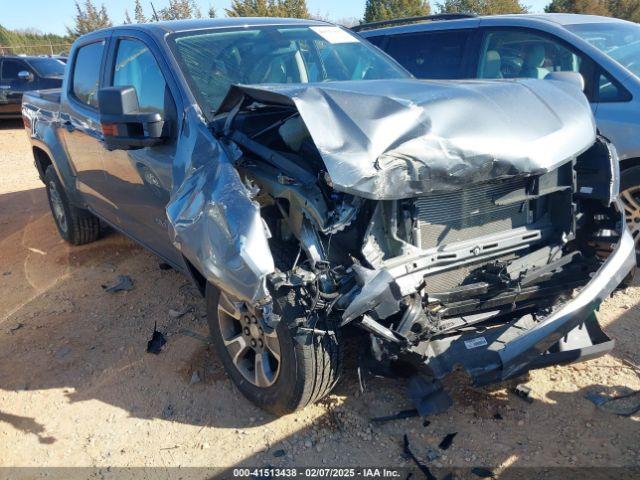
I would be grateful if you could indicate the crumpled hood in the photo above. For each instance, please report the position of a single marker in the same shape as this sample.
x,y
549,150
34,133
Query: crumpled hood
x,y
391,139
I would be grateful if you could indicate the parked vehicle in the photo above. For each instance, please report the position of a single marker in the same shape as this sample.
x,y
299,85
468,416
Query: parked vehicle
x,y
307,184
23,74
605,51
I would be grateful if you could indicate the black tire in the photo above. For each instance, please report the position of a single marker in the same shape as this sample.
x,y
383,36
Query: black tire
x,y
76,225
310,363
630,181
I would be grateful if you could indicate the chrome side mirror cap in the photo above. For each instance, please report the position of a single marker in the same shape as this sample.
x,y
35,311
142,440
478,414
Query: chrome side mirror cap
x,y
25,76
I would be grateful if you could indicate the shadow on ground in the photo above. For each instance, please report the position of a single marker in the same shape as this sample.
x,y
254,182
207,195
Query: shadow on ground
x,y
66,332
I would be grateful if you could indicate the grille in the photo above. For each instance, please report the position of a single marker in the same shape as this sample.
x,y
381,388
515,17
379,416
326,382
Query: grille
x,y
443,281
469,213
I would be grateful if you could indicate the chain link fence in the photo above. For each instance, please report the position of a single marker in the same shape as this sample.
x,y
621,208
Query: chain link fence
x,y
39,49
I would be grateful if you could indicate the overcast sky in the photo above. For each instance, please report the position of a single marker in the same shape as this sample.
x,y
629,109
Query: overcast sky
x,y
53,15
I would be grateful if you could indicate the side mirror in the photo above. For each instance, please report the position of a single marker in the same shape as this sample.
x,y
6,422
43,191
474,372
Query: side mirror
x,y
574,78
124,126
25,75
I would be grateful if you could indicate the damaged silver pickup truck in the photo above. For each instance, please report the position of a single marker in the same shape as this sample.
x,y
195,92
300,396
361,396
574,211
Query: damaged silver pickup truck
x,y
308,185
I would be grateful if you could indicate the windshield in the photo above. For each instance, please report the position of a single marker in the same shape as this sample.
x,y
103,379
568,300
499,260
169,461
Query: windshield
x,y
621,41
47,67
213,60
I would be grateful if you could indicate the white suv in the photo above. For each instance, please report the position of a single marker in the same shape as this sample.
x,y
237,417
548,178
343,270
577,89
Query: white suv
x,y
604,50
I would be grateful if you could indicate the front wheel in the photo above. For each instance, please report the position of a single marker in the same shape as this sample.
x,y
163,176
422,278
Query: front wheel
x,y
280,370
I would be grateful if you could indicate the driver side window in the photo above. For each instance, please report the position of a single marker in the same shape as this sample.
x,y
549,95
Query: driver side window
x,y
135,66
522,54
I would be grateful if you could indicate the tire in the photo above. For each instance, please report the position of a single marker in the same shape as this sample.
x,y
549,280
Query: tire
x,y
76,225
309,365
630,196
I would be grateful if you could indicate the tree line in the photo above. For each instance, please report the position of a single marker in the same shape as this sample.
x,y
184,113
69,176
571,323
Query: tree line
x,y
88,16
91,17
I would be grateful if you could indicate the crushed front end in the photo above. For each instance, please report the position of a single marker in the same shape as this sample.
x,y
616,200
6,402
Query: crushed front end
x,y
499,277
401,217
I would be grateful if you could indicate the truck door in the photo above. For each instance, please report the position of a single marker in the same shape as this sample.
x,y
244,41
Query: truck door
x,y
139,181
80,124
13,83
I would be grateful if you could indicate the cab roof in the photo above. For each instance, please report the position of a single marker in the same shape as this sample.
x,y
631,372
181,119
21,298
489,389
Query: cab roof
x,y
175,26
559,19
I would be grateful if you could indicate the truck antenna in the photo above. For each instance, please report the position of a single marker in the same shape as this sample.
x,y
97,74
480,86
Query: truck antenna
x,y
154,12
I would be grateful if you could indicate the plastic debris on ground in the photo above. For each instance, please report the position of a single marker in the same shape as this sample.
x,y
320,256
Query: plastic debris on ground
x,y
523,392
423,468
401,415
447,441
624,405
16,327
482,472
157,342
123,283
181,312
428,396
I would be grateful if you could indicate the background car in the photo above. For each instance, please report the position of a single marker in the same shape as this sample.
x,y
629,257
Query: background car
x,y
606,51
23,74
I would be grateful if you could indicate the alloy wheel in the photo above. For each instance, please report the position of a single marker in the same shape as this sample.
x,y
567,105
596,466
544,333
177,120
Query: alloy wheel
x,y
631,201
253,347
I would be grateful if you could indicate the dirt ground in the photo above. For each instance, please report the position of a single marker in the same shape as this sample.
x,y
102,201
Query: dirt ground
x,y
78,389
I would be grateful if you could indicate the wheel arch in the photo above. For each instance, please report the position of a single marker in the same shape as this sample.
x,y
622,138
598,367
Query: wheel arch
x,y
42,161
629,162
195,276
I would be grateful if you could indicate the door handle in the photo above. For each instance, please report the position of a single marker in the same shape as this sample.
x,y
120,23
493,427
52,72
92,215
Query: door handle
x,y
68,126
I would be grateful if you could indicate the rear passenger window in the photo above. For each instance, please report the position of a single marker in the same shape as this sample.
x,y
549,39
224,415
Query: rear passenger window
x,y
431,54
377,41
86,73
135,66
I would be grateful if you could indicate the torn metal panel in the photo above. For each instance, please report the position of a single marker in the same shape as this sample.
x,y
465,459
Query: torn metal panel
x,y
394,139
214,221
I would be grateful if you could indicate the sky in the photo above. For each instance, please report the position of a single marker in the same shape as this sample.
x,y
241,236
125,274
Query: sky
x,y
53,15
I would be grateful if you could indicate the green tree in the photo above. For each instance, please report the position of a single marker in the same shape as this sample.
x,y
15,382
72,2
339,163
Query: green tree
x,y
138,13
252,8
179,10
591,7
268,8
212,11
127,18
625,9
32,42
481,7
88,19
376,10
293,8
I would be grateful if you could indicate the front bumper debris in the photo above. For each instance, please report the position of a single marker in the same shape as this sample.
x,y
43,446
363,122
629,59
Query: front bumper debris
x,y
568,335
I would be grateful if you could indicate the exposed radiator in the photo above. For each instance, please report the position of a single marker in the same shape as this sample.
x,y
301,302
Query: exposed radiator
x,y
469,213
464,215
